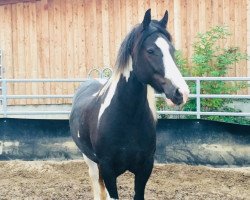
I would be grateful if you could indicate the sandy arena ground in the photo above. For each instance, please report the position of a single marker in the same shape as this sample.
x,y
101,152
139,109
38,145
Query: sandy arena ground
x,y
69,180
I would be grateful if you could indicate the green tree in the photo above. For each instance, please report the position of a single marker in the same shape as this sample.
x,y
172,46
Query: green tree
x,y
209,59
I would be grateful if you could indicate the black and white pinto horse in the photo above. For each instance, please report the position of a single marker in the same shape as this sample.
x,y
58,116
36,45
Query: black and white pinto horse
x,y
114,125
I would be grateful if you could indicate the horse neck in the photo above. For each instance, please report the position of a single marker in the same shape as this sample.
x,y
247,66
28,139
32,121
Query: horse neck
x,y
136,97
132,89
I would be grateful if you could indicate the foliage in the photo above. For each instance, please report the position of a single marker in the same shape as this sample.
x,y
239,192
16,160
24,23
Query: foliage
x,y
209,59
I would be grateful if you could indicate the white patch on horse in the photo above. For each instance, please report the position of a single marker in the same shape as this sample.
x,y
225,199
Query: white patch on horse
x,y
171,70
105,87
128,69
108,196
151,101
111,91
97,184
95,94
102,81
78,134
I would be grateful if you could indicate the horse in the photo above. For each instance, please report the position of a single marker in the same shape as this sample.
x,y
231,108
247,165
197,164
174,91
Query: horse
x,y
114,124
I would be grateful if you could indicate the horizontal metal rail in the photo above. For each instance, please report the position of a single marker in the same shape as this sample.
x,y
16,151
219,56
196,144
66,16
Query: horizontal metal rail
x,y
236,114
198,96
47,112
36,96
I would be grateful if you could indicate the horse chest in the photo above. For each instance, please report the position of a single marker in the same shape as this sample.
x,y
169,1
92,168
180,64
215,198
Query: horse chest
x,y
124,141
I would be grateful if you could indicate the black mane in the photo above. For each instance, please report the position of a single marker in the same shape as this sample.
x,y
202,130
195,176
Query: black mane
x,y
135,39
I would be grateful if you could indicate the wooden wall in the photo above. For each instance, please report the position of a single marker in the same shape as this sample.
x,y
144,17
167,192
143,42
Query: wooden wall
x,y
66,38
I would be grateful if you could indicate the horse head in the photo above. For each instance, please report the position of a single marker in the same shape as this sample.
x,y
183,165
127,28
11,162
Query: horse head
x,y
152,55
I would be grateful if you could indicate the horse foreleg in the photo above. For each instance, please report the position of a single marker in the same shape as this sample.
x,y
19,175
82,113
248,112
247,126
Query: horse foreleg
x,y
96,179
110,182
141,178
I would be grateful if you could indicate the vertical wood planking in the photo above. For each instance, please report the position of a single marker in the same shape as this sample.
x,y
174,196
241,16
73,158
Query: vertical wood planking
x,y
100,48
232,30
14,46
6,46
105,29
57,45
81,40
241,34
90,31
70,42
123,19
135,19
248,39
202,16
51,46
153,9
226,20
237,27
129,15
33,47
177,24
147,5
209,16
141,10
117,25
75,47
27,47
183,14
40,72
215,14
168,5
65,39
21,69
220,13
2,45
189,27
45,50
111,32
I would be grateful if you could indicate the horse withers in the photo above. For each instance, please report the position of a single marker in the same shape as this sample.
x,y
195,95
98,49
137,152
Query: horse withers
x,y
114,125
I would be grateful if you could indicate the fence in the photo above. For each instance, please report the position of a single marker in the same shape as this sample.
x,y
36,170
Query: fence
x,y
59,38
198,96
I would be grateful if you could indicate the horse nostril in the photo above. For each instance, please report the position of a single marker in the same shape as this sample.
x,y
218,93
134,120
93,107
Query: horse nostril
x,y
178,93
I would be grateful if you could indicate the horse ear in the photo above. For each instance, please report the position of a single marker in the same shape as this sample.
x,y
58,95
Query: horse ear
x,y
147,19
164,20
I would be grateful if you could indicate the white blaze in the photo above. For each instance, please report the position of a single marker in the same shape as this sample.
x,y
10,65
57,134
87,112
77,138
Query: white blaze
x,y
151,101
171,71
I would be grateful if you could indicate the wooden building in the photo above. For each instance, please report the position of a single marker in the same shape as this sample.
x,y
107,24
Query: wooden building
x,y
67,38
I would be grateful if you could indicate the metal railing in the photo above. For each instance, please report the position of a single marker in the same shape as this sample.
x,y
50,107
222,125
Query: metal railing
x,y
198,96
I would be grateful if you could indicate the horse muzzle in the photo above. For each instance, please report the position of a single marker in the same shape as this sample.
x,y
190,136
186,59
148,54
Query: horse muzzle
x,y
179,97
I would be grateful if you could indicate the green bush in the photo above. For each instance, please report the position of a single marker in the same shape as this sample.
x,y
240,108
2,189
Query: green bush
x,y
209,59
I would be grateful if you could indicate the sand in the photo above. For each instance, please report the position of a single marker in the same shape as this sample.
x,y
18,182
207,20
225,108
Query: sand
x,y
70,180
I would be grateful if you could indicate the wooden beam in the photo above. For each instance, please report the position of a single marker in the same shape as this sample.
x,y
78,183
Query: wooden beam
x,y
4,2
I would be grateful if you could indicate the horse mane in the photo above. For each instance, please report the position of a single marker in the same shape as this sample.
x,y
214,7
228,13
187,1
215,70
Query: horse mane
x,y
134,40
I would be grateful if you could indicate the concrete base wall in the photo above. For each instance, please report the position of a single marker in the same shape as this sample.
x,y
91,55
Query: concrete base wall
x,y
178,141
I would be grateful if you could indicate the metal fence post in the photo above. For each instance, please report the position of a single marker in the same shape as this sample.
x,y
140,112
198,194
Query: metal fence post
x,y
4,93
198,98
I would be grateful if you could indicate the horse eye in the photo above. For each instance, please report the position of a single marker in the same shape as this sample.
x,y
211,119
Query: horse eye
x,y
150,51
